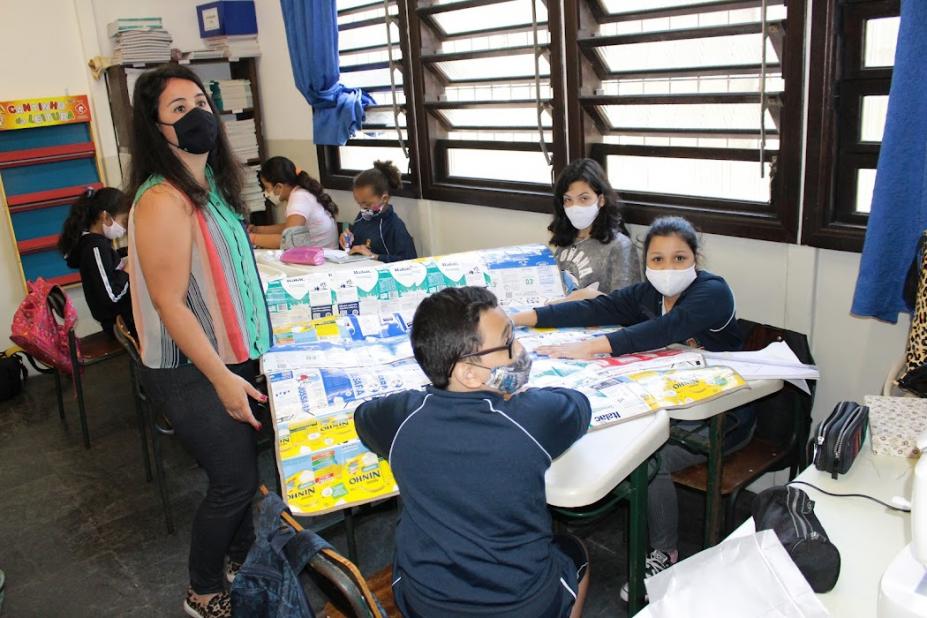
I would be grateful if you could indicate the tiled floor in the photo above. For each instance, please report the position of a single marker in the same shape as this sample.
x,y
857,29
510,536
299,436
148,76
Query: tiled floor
x,y
82,533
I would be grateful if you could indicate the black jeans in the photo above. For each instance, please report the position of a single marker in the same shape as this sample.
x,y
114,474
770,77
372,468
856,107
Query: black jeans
x,y
227,450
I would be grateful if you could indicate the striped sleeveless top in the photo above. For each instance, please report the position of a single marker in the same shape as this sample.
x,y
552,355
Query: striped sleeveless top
x,y
224,293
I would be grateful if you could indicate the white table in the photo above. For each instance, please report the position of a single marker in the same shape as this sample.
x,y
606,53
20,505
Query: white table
x,y
602,459
714,410
270,266
868,535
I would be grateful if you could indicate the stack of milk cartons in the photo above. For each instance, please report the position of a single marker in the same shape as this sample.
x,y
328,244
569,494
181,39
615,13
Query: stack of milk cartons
x,y
138,40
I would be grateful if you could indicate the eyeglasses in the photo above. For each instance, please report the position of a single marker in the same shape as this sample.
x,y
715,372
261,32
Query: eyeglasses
x,y
89,192
508,346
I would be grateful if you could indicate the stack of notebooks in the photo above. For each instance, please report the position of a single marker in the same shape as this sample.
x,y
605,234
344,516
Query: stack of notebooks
x,y
139,40
231,94
242,137
252,193
237,46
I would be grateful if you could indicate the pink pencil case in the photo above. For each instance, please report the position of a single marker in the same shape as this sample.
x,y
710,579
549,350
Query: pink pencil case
x,y
312,256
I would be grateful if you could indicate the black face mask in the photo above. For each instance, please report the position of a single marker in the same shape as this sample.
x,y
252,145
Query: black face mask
x,y
196,131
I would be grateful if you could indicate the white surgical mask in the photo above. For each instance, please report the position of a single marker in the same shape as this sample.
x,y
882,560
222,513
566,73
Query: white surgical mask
x,y
273,197
671,282
113,230
582,216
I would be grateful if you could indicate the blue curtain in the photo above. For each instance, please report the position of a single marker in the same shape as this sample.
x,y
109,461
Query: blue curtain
x,y
899,202
312,37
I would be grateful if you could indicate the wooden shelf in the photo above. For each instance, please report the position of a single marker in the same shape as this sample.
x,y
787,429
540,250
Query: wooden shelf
x,y
48,154
239,68
34,245
65,280
45,197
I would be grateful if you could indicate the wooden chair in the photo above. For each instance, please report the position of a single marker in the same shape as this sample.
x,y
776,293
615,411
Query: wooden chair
x,y
777,443
349,594
148,426
94,349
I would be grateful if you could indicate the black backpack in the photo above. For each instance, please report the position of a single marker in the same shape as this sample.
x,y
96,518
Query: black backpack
x,y
12,374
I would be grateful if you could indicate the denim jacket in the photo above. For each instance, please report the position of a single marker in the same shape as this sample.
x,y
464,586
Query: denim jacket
x,y
268,583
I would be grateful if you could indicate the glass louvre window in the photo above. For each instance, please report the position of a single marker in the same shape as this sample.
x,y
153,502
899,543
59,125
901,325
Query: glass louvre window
x,y
862,104
688,99
364,59
479,93
851,57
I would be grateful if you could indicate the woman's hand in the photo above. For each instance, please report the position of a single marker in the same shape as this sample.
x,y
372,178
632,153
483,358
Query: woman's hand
x,y
583,294
233,392
582,350
525,318
361,250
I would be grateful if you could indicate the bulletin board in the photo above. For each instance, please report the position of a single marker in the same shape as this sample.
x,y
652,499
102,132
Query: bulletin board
x,y
48,159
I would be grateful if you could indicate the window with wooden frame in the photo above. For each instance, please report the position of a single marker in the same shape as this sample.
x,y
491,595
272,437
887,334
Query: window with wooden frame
x,y
372,58
693,107
486,77
852,54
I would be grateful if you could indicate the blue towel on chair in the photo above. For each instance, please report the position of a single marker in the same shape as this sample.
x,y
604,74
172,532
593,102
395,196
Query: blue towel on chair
x,y
899,201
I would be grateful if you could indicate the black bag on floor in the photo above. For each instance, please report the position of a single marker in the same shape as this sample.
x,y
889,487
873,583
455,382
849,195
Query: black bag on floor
x,y
789,512
12,374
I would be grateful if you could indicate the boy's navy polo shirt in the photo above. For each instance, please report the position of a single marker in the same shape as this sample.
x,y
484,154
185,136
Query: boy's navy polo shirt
x,y
475,531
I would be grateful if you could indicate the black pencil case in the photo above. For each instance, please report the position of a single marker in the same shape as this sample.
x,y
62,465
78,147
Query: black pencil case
x,y
839,438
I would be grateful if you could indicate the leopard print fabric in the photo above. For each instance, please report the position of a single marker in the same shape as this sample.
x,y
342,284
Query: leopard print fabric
x,y
916,350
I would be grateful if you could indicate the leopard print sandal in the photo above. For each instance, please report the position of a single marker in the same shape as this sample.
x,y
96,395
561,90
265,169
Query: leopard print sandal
x,y
219,606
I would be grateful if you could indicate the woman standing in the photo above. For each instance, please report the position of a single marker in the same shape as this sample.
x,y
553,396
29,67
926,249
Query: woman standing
x,y
200,312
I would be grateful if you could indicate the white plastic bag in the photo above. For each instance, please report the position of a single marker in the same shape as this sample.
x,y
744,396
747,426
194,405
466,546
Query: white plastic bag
x,y
747,576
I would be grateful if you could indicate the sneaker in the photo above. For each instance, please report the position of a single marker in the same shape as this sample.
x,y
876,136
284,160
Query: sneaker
x,y
220,606
657,561
232,567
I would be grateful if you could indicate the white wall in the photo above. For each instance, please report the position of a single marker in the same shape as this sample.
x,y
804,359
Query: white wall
x,y
36,69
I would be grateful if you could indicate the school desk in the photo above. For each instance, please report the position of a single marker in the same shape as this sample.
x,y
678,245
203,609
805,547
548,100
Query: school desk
x,y
868,535
603,458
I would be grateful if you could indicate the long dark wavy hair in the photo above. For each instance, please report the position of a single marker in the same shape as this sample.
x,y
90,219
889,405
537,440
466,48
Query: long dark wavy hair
x,y
86,210
151,153
282,170
609,220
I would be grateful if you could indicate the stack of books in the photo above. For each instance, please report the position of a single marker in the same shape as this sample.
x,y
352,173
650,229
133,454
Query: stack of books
x,y
242,137
232,94
252,193
139,40
237,46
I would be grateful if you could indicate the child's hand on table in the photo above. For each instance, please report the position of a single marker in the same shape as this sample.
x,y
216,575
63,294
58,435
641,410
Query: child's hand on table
x,y
582,350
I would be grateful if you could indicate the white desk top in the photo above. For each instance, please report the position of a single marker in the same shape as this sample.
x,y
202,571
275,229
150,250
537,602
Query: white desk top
x,y
758,389
868,535
270,266
603,458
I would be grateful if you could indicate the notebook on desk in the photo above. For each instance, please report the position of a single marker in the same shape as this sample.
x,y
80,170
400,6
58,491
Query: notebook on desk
x,y
343,257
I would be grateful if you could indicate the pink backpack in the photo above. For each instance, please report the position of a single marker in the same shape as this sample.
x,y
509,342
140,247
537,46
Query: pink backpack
x,y
36,328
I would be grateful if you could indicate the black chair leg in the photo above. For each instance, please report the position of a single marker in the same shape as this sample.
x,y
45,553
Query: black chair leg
x,y
140,415
60,392
729,510
79,387
85,430
159,477
349,534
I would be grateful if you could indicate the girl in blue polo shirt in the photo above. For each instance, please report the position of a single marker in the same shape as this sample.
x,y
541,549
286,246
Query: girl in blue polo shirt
x,y
678,303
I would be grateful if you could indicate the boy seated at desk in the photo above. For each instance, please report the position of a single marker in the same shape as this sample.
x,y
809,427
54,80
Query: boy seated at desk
x,y
469,454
